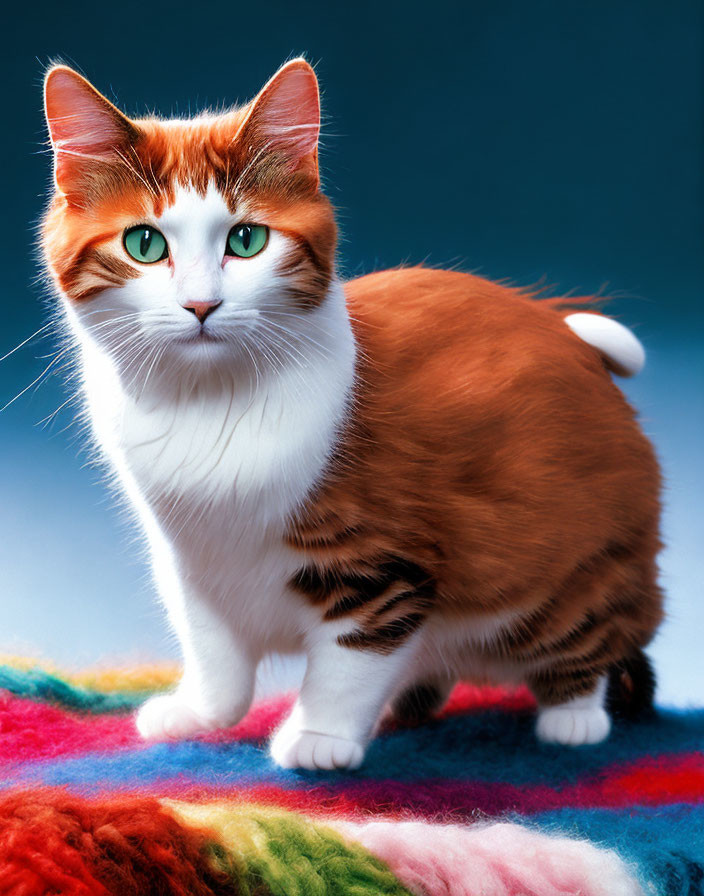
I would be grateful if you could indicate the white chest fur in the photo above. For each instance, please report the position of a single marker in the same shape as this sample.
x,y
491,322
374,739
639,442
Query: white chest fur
x,y
216,469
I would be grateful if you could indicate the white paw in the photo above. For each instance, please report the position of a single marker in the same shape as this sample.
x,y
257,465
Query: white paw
x,y
169,717
574,727
294,748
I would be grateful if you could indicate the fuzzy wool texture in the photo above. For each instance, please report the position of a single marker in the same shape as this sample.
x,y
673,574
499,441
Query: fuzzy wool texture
x,y
450,860
468,803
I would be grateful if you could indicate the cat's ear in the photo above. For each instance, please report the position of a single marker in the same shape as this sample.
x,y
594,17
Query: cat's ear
x,y
84,127
285,117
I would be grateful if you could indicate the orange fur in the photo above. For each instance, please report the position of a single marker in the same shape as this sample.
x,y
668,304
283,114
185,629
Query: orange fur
x,y
489,464
123,183
490,448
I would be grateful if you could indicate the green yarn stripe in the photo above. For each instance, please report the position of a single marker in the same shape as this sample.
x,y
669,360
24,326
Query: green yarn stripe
x,y
290,856
36,684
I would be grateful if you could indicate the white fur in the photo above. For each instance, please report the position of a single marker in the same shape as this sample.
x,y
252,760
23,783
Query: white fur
x,y
582,720
617,343
216,442
216,445
214,454
341,700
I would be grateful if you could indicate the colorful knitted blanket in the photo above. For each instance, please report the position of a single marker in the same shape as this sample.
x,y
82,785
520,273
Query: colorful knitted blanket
x,y
467,805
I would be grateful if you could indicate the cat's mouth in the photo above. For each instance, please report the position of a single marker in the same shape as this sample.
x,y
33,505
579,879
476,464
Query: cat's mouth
x,y
200,337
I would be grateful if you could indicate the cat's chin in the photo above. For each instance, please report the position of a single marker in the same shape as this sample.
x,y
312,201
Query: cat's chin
x,y
207,352
203,346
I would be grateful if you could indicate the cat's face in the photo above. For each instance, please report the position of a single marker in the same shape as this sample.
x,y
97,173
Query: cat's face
x,y
197,243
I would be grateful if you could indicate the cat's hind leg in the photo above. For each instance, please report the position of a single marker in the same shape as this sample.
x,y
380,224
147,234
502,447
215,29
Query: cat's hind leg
x,y
418,702
577,720
626,691
592,629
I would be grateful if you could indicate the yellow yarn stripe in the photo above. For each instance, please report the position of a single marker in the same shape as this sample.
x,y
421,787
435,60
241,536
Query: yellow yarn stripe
x,y
129,680
266,850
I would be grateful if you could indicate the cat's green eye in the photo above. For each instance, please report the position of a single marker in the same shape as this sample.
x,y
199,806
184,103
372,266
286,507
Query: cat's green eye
x,y
246,240
145,244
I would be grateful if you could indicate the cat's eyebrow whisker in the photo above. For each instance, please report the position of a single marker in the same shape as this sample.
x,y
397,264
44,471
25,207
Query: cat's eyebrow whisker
x,y
151,187
142,178
248,167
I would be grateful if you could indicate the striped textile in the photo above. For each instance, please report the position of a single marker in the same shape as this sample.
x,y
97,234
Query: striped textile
x,y
503,813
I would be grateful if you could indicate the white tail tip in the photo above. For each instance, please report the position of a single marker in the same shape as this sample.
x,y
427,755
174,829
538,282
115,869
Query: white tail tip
x,y
623,352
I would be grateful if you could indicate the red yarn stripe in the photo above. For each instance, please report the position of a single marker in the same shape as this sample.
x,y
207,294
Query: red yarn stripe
x,y
52,842
650,782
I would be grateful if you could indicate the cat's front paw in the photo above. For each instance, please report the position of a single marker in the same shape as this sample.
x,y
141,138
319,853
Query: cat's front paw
x,y
573,727
170,717
292,747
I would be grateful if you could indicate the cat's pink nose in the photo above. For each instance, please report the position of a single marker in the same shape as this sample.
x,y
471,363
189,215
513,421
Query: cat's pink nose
x,y
202,309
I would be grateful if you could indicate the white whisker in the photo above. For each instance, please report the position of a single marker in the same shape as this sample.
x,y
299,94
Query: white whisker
x,y
27,340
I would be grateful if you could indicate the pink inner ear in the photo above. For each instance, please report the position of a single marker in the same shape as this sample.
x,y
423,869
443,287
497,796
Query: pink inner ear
x,y
80,121
287,112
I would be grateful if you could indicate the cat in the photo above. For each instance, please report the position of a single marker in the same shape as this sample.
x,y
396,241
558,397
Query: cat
x,y
414,477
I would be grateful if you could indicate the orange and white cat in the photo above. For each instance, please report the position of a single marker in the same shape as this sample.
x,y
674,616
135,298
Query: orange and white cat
x,y
414,477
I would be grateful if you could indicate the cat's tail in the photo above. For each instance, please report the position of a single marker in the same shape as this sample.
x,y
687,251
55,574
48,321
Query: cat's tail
x,y
618,346
631,687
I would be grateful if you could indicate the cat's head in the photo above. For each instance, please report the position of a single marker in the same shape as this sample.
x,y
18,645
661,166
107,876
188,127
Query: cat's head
x,y
200,241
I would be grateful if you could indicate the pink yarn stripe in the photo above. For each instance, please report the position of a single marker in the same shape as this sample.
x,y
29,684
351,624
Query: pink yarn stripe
x,y
33,731
495,860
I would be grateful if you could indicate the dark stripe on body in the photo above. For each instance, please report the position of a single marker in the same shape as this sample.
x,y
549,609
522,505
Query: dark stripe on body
x,y
389,599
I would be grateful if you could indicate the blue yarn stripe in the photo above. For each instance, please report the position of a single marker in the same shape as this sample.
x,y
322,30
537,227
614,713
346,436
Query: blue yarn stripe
x,y
243,763
666,843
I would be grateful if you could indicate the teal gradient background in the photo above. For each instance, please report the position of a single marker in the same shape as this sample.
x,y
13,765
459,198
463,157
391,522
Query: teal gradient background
x,y
543,142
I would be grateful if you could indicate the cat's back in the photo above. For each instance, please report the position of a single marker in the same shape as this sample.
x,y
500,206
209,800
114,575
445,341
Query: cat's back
x,y
456,341
424,314
487,390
